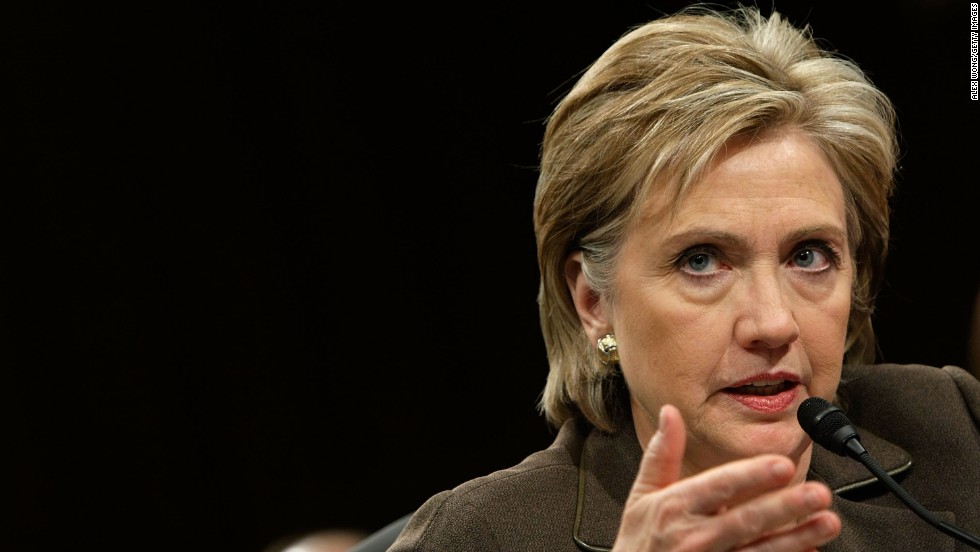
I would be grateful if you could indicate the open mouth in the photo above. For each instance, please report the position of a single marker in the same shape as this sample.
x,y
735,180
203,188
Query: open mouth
x,y
762,388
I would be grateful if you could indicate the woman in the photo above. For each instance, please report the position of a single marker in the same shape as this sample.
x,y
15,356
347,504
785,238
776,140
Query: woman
x,y
712,220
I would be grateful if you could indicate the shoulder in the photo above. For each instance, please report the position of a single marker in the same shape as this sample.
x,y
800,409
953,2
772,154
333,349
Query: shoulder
x,y
491,511
898,401
931,413
916,382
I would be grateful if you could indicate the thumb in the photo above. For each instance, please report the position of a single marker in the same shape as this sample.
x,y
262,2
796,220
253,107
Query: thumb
x,y
661,463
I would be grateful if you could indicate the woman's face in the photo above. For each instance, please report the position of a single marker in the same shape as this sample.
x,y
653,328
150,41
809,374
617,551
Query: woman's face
x,y
735,308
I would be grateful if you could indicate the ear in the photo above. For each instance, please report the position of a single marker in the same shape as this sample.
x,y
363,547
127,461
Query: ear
x,y
589,305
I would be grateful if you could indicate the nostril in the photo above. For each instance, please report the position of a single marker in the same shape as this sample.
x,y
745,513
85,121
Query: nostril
x,y
766,333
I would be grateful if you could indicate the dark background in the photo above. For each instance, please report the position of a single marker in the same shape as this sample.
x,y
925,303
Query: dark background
x,y
271,267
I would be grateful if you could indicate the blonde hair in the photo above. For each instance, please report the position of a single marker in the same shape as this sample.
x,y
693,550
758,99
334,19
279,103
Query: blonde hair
x,y
654,109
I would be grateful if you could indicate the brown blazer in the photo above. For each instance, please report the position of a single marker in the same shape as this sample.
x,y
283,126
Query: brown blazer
x,y
919,423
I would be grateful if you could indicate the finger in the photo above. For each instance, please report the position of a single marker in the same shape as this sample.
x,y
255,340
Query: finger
x,y
816,531
661,463
777,513
735,482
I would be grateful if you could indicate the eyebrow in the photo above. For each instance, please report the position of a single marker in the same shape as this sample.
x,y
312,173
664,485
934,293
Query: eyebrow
x,y
701,234
711,235
834,232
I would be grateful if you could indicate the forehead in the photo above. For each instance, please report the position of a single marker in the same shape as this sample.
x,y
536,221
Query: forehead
x,y
781,169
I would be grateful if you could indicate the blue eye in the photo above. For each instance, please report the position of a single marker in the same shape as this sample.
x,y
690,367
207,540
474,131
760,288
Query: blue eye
x,y
805,258
699,262
814,257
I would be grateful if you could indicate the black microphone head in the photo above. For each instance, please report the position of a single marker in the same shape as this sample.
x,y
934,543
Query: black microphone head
x,y
828,426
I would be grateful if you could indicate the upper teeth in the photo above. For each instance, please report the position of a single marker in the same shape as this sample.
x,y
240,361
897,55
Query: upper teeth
x,y
764,383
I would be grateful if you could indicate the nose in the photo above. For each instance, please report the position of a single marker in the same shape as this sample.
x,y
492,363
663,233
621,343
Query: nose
x,y
766,319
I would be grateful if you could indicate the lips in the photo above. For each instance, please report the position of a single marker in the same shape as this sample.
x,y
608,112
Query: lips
x,y
766,393
762,388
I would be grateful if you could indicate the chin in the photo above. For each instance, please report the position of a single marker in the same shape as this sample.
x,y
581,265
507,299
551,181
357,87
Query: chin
x,y
784,437
738,442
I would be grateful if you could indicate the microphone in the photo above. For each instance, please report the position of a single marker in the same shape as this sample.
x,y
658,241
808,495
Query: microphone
x,y
829,427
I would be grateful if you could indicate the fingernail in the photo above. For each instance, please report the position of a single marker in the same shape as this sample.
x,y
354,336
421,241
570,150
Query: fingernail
x,y
827,529
811,498
780,469
658,437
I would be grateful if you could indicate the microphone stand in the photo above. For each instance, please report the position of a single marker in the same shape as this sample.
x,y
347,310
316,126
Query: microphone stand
x,y
859,453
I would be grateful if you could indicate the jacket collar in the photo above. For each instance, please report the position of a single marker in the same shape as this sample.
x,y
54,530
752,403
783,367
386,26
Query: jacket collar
x,y
609,462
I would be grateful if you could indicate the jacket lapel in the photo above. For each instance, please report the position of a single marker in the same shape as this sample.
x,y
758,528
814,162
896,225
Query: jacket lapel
x,y
864,524
607,468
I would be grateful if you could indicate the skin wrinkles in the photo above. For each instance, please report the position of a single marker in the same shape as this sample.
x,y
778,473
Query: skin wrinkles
x,y
755,312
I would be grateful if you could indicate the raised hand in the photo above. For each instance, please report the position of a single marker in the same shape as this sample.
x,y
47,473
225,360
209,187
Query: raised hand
x,y
748,505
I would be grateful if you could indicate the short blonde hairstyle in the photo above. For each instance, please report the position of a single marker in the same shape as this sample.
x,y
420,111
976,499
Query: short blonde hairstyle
x,y
654,109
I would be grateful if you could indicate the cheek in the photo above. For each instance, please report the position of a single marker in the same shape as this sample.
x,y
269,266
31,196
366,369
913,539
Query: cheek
x,y
667,345
823,334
